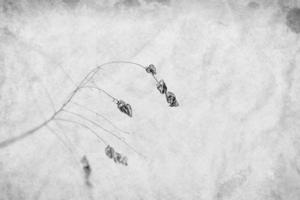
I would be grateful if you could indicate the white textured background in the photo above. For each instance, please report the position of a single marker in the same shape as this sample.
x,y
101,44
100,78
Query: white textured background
x,y
234,67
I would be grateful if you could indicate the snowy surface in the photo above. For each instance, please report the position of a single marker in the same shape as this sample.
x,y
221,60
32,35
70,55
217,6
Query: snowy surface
x,y
234,67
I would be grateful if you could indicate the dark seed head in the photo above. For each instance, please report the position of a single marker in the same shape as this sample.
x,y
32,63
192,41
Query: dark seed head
x,y
151,69
109,151
124,161
86,166
125,108
117,157
162,87
87,170
171,99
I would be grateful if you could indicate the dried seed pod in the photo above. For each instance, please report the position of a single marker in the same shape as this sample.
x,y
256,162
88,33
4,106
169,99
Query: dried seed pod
x,y
151,69
124,108
109,151
124,160
117,157
162,87
86,167
171,99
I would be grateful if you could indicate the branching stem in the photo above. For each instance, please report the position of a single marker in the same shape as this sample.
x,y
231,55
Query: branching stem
x,y
81,85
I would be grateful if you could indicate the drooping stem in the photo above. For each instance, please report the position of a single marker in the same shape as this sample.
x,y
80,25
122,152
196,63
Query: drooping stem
x,y
24,135
99,115
155,78
98,125
84,126
82,83
75,154
101,90
95,123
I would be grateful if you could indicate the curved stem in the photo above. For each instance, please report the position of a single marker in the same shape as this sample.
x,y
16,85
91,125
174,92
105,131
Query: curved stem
x,y
96,124
155,78
99,115
101,90
96,134
85,80
83,125
96,69
75,155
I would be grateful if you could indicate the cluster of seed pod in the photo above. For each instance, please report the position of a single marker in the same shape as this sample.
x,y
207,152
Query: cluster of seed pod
x,y
162,87
117,157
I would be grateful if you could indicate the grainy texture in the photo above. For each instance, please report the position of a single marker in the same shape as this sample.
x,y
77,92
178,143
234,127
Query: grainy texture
x,y
232,65
293,20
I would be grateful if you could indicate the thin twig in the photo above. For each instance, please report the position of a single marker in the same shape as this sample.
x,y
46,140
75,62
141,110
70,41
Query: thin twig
x,y
75,155
23,135
56,134
83,125
65,136
99,115
52,130
101,90
96,124
155,78
84,81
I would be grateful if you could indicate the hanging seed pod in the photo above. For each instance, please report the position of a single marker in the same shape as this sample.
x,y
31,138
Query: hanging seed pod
x,y
117,157
171,99
151,69
124,161
162,87
124,108
86,167
109,151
